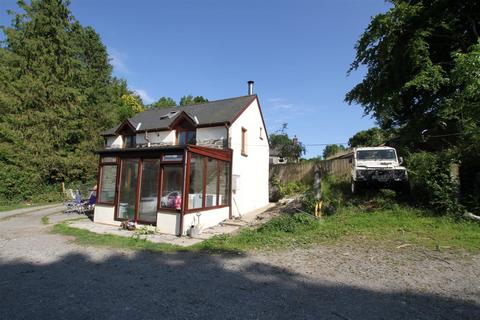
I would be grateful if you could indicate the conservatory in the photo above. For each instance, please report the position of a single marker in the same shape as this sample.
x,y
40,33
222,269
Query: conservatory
x,y
170,187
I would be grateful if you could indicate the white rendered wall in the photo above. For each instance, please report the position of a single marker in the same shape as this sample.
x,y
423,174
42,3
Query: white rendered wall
x,y
168,222
213,137
105,214
157,137
252,170
211,133
208,218
114,142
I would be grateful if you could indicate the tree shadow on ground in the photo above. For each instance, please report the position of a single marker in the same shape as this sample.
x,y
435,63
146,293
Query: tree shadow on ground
x,y
190,286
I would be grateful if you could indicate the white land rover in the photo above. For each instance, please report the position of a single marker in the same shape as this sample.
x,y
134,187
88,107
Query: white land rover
x,y
378,167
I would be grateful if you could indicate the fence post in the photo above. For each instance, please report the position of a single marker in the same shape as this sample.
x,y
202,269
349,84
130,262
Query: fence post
x,y
317,190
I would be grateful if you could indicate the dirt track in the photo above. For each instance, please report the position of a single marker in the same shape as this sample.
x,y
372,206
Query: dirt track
x,y
47,276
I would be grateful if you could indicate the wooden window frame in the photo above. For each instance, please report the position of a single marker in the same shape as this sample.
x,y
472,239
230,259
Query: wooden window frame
x,y
204,185
138,188
244,150
179,130
160,189
125,139
139,185
100,176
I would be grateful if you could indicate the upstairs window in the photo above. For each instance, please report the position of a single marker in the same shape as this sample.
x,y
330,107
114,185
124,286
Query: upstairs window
x,y
186,136
130,141
244,142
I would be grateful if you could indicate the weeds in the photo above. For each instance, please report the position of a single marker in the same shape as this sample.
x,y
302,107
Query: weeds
x,y
286,189
45,220
142,231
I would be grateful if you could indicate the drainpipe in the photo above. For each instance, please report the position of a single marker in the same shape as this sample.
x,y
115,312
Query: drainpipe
x,y
227,127
147,138
230,213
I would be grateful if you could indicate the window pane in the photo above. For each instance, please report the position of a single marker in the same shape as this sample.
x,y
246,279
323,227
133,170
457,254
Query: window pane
x,y
172,187
211,184
130,141
191,137
128,189
195,192
224,183
109,159
107,185
149,191
172,158
244,141
182,137
186,137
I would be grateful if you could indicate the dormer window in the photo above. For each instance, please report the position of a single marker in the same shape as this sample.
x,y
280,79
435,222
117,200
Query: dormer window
x,y
186,136
130,141
185,127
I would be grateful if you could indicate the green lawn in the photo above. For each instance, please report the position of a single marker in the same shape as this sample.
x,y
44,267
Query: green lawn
x,y
397,226
86,237
13,206
394,226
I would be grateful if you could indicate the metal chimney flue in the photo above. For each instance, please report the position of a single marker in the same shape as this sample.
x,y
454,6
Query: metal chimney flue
x,y
250,87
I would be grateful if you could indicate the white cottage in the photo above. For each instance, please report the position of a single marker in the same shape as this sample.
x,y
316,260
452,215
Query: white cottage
x,y
187,166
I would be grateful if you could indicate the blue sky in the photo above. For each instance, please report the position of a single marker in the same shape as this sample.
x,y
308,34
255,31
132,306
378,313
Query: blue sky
x,y
297,52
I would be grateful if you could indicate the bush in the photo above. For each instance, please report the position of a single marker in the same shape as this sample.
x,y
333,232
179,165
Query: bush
x,y
332,196
17,185
286,189
432,183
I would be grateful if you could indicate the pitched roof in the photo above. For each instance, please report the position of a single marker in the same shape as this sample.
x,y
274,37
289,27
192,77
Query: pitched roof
x,y
210,113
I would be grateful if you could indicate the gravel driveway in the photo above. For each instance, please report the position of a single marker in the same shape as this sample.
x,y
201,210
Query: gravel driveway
x,y
46,276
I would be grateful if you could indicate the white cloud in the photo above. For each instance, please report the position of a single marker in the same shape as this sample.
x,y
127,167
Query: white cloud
x,y
280,103
144,95
117,59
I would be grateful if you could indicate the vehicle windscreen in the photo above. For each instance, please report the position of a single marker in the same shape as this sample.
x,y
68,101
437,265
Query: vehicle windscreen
x,y
376,155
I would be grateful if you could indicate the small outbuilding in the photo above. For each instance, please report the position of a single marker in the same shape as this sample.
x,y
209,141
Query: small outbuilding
x,y
183,167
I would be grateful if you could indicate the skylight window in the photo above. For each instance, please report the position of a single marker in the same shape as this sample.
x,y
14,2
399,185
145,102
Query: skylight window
x,y
169,115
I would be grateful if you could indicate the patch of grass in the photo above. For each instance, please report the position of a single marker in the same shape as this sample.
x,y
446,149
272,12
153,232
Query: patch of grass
x,y
85,237
14,206
394,226
21,205
45,220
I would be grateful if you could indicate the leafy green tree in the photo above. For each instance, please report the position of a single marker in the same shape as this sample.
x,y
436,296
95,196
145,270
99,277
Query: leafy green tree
x,y
422,80
411,57
188,100
367,138
130,105
163,102
288,148
56,95
332,149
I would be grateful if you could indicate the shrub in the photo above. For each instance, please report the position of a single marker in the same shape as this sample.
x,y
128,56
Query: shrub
x,y
332,196
432,183
286,189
